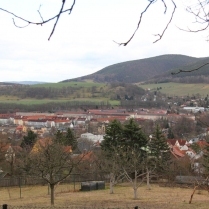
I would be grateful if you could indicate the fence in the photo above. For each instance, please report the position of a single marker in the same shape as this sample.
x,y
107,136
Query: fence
x,y
30,180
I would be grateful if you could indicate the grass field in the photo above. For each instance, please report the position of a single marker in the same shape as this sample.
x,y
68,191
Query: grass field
x,y
179,89
70,84
61,100
157,197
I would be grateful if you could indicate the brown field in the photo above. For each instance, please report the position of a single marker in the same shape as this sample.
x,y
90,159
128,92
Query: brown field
x,y
157,197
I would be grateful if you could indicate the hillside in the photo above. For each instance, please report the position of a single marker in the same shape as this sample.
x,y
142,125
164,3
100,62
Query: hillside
x,y
139,70
198,76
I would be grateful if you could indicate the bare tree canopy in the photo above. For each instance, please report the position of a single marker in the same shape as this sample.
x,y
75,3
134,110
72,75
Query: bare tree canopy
x,y
198,8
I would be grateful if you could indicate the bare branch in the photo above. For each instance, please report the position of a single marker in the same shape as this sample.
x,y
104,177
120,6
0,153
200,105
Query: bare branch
x,y
188,71
57,16
40,13
164,6
161,35
140,19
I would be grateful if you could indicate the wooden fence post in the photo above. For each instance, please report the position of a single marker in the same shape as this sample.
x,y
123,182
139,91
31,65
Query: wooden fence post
x,y
4,206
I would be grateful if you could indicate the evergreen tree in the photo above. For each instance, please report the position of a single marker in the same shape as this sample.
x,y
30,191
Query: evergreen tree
x,y
29,140
134,149
111,151
59,137
160,150
133,137
112,138
70,139
66,139
170,134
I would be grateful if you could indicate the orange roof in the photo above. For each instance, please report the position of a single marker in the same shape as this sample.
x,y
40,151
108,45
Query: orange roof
x,y
202,143
178,152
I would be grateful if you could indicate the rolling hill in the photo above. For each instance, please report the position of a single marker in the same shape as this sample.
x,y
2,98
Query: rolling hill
x,y
141,70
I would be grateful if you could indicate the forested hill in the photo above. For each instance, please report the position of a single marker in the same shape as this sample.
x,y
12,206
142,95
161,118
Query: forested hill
x,y
139,70
201,75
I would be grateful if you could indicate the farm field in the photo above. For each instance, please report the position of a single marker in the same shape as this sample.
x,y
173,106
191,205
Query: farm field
x,y
156,198
179,89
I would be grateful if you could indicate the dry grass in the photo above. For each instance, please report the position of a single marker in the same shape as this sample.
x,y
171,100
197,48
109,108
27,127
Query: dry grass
x,y
157,197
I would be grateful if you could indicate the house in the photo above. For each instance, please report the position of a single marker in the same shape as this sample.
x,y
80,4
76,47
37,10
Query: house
x,y
81,121
92,137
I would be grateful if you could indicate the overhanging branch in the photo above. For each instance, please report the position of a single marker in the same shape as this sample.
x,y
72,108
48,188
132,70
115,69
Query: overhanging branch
x,y
42,22
189,71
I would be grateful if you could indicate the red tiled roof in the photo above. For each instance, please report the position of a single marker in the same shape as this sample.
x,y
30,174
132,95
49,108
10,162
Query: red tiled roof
x,y
178,152
202,143
171,141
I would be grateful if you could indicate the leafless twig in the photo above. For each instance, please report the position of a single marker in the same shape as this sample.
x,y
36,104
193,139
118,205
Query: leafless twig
x,y
188,71
166,27
139,23
42,22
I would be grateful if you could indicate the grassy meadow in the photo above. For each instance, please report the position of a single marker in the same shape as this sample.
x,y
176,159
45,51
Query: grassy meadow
x,y
179,89
65,195
60,100
75,84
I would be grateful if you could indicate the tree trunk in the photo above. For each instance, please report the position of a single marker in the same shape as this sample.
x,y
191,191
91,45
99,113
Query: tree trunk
x,y
135,186
112,181
148,180
52,193
135,193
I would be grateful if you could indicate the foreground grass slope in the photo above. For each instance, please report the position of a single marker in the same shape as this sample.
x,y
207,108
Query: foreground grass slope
x,y
157,197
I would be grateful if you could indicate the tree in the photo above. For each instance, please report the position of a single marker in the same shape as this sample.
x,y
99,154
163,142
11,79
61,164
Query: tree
x,y
133,154
111,152
170,134
29,140
183,126
67,139
70,139
160,151
53,162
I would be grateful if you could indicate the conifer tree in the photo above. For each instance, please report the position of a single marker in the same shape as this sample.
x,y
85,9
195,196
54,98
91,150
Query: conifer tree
x,y
160,150
70,139
29,140
112,138
67,139
170,134
111,152
134,145
133,136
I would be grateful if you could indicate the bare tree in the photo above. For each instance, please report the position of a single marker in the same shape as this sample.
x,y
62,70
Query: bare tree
x,y
135,168
53,162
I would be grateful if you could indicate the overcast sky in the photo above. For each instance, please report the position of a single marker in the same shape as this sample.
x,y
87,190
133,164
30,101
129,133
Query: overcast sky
x,y
83,42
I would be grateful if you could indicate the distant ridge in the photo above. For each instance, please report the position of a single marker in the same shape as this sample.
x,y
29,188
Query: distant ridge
x,y
25,82
139,70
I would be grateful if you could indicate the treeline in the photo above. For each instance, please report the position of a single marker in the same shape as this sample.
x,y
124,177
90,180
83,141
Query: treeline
x,y
24,91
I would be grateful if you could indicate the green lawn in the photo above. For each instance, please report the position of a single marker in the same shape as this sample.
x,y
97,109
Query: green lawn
x,y
61,100
179,89
70,84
